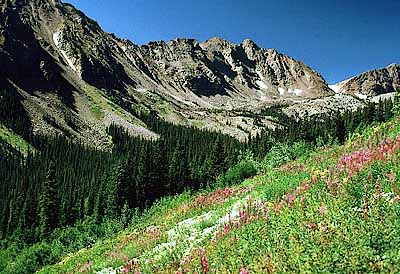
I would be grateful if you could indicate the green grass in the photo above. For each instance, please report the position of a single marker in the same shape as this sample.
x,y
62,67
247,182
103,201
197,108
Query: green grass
x,y
99,104
164,108
97,111
15,140
198,124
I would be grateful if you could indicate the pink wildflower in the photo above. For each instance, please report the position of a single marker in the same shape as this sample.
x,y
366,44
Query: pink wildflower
x,y
290,198
278,207
396,199
266,215
244,271
311,226
244,216
186,260
204,264
201,252
227,227
306,187
322,209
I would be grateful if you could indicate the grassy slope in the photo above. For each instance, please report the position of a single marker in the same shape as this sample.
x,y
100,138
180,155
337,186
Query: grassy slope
x,y
310,216
14,140
99,104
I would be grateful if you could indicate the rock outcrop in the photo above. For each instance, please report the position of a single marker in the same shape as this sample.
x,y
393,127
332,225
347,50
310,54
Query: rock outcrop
x,y
372,83
73,73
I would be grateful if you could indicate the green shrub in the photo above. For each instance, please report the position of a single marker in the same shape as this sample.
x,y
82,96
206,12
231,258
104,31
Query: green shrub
x,y
19,258
283,153
245,168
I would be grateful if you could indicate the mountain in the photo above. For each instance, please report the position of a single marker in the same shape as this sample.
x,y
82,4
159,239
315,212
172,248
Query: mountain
x,y
371,83
71,77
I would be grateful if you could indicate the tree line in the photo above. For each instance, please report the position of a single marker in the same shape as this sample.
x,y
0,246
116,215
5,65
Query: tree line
x,y
65,181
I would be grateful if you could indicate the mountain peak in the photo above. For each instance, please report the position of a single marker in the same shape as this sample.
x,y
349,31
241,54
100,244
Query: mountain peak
x,y
216,43
248,43
393,66
372,83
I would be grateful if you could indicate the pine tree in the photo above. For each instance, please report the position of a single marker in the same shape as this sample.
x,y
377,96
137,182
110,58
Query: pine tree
x,y
340,129
396,104
215,163
117,190
177,168
140,178
48,204
100,203
125,215
111,210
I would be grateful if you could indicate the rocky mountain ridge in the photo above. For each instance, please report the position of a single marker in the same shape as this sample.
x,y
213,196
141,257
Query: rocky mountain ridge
x,y
371,83
77,79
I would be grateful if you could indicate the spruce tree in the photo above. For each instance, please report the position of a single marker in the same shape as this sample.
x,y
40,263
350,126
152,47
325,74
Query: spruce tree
x,y
396,104
112,193
100,203
177,168
48,203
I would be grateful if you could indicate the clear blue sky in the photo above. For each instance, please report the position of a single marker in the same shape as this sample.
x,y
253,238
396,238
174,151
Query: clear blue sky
x,y
338,38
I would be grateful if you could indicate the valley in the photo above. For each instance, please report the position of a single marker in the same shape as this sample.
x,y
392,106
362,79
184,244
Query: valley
x,y
188,156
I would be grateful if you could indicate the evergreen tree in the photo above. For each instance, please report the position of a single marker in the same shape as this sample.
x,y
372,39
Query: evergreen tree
x,y
100,203
48,204
112,209
396,103
340,129
177,168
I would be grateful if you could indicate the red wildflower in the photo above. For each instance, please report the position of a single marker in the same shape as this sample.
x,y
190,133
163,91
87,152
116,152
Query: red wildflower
x,y
204,264
244,216
311,226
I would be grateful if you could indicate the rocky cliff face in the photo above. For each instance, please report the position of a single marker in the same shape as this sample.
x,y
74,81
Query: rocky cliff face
x,y
218,67
80,78
372,83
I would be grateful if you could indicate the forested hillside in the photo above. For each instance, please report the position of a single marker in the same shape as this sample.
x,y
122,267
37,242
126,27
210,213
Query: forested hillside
x,y
197,156
60,186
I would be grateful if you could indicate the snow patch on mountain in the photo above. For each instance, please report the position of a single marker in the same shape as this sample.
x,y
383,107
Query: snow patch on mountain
x,y
338,86
361,96
295,91
261,84
335,88
56,40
